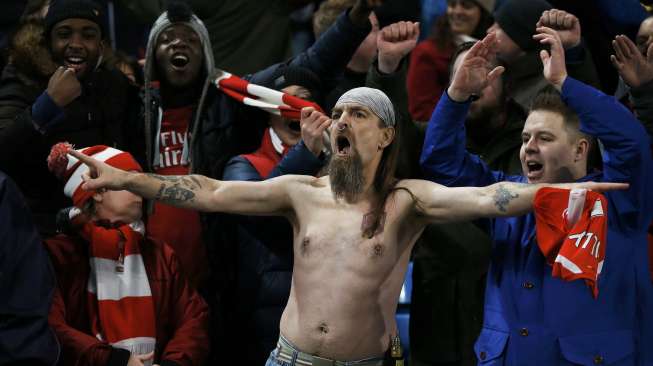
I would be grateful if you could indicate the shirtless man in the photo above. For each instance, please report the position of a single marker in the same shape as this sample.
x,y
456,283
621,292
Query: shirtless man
x,y
353,230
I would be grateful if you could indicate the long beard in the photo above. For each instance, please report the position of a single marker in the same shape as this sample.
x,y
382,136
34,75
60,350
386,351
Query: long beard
x,y
346,176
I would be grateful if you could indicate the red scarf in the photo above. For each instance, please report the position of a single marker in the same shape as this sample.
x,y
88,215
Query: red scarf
x,y
270,100
266,157
121,308
574,249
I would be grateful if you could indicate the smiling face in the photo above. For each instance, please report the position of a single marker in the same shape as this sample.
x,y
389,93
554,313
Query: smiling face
x,y
550,151
77,44
463,16
179,56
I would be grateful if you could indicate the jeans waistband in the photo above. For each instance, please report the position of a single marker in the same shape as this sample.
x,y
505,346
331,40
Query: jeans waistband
x,y
287,352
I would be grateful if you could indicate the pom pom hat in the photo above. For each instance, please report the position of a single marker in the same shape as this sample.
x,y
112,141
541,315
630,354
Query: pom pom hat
x,y
70,170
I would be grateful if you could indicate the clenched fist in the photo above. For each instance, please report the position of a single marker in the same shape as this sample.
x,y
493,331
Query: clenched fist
x,y
394,42
63,86
313,124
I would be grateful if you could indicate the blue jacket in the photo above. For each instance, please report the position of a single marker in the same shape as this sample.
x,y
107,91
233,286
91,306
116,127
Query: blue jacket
x,y
264,260
26,285
532,318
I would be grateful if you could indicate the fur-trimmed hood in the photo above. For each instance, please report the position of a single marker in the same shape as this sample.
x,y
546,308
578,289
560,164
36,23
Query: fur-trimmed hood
x,y
28,52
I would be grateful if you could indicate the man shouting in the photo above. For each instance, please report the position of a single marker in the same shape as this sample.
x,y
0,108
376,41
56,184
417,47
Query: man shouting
x,y
353,229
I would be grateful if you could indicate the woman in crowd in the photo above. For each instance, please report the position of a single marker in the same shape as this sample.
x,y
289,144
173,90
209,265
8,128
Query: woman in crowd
x,y
428,73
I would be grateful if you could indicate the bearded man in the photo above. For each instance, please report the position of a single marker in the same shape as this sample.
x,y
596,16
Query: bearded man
x,y
353,229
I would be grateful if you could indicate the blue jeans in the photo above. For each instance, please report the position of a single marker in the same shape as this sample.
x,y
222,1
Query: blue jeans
x,y
272,360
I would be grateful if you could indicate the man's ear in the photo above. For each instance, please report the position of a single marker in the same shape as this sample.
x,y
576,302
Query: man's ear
x,y
387,136
582,149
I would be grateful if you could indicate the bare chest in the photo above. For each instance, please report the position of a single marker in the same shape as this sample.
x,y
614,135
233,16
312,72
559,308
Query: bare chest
x,y
336,237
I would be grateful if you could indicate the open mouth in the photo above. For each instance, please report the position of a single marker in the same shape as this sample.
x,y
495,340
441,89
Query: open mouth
x,y
343,146
534,169
295,126
75,62
179,61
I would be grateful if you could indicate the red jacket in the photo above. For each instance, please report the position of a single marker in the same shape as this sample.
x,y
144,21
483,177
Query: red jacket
x,y
181,314
428,76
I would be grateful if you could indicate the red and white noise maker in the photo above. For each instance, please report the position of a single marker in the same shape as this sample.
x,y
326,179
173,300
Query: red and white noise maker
x,y
571,228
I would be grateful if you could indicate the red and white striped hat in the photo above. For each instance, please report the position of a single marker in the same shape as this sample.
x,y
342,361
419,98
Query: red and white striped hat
x,y
70,170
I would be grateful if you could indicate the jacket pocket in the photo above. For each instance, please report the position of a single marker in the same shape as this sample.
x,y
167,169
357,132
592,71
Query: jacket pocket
x,y
490,346
606,348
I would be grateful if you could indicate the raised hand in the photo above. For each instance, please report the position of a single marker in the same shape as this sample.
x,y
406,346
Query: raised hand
x,y
566,24
635,68
394,42
100,174
555,70
313,124
475,71
63,86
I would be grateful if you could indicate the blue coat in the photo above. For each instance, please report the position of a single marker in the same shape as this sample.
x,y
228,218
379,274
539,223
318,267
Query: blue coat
x,y
26,285
532,318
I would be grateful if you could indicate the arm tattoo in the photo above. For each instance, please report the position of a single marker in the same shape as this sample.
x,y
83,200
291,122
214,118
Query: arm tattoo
x,y
502,198
189,180
176,189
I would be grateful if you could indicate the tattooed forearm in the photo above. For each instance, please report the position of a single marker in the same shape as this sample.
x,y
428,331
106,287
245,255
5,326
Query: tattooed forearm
x,y
176,189
164,178
502,198
175,194
188,180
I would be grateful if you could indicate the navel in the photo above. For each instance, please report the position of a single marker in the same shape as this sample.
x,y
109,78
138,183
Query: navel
x,y
323,328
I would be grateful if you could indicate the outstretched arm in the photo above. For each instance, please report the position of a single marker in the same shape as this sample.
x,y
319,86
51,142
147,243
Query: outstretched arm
x,y
194,191
437,204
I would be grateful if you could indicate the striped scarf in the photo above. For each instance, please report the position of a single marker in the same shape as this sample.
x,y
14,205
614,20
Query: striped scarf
x,y
269,100
121,309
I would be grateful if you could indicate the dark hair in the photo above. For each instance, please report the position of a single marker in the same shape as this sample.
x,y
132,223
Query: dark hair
x,y
444,38
549,99
384,182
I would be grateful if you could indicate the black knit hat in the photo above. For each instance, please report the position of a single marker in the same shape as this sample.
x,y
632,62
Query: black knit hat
x,y
66,9
518,18
300,76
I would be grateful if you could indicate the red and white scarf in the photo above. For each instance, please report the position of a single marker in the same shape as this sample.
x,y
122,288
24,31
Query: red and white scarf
x,y
571,233
121,307
270,100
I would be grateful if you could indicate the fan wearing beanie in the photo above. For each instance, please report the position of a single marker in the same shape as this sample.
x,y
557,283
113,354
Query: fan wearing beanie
x,y
78,98
516,23
113,303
